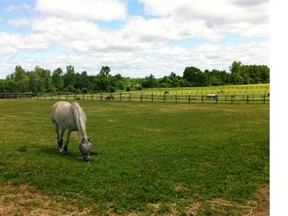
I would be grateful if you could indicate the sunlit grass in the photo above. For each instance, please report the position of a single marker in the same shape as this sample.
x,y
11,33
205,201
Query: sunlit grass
x,y
150,157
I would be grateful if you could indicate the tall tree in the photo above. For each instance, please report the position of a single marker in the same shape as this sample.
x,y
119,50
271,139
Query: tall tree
x,y
44,80
194,76
149,82
235,70
69,79
105,71
57,79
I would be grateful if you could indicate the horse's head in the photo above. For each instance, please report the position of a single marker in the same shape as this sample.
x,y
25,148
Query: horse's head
x,y
85,148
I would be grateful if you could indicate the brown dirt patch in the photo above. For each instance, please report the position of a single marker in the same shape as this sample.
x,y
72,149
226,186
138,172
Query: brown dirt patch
x,y
193,209
262,205
257,207
25,200
220,206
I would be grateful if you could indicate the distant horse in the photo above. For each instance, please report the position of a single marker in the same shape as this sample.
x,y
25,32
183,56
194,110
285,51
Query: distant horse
x,y
212,96
110,97
71,117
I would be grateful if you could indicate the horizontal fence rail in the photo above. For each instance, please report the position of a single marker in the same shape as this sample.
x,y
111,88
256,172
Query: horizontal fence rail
x,y
146,97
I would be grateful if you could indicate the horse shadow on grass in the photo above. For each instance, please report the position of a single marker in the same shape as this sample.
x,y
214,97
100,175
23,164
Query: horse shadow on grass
x,y
53,151
71,155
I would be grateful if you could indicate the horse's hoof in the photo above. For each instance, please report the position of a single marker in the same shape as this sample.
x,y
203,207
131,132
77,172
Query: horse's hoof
x,y
65,153
86,158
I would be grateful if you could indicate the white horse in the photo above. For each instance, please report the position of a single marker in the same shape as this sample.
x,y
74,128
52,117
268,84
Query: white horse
x,y
71,117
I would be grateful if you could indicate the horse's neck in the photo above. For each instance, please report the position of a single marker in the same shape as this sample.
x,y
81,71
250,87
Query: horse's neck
x,y
80,120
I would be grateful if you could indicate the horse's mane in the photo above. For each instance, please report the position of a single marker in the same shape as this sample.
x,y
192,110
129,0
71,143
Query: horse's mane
x,y
80,118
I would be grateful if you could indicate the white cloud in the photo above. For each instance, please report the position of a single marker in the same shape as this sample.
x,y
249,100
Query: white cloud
x,y
107,10
8,43
19,22
159,61
139,46
219,16
166,28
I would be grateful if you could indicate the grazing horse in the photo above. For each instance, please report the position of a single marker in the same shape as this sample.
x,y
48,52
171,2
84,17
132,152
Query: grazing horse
x,y
212,96
110,97
71,117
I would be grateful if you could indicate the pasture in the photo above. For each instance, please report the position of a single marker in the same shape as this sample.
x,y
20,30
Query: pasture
x,y
150,158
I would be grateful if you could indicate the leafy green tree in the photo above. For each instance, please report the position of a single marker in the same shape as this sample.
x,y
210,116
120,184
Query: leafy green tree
x,y
235,70
19,74
69,78
57,79
21,78
119,81
41,80
150,82
264,74
194,76
44,81
105,71
9,86
82,81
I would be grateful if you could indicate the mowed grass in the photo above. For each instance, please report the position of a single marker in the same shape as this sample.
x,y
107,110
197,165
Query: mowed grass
x,y
151,158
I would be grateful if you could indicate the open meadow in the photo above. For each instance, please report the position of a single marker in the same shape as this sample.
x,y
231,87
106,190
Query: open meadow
x,y
150,158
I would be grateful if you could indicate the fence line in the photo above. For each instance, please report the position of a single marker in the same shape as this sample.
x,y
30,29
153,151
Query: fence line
x,y
146,97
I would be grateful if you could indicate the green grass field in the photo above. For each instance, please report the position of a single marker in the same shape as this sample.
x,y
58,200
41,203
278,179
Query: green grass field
x,y
151,158
227,89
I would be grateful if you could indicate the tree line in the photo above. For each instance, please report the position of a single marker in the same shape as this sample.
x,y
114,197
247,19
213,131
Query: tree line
x,y
43,80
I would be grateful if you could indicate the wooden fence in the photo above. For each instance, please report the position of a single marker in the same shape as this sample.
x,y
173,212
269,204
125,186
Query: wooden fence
x,y
145,97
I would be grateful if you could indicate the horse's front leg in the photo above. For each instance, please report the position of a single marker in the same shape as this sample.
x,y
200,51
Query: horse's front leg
x,y
59,138
65,147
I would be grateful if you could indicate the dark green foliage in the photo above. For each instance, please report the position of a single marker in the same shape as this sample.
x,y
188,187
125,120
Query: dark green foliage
x,y
41,80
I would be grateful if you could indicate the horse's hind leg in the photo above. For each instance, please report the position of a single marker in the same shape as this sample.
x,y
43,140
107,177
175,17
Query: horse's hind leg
x,y
65,147
59,139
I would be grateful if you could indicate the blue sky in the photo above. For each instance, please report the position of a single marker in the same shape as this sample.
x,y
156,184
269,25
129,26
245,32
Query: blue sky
x,y
134,38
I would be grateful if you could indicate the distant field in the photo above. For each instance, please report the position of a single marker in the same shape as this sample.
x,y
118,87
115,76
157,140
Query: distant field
x,y
151,158
227,89
259,93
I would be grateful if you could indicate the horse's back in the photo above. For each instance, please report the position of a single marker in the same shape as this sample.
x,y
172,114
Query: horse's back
x,y
62,115
59,108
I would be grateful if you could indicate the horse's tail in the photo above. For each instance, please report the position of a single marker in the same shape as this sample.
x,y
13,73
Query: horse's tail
x,y
80,118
